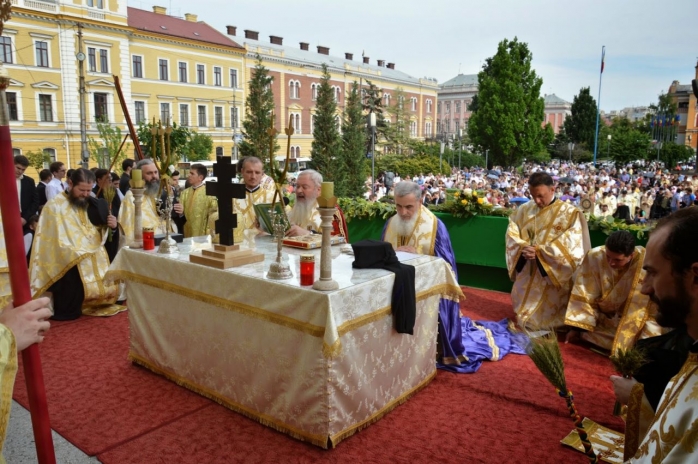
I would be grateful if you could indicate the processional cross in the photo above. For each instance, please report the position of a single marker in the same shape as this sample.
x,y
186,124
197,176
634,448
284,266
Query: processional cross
x,y
225,190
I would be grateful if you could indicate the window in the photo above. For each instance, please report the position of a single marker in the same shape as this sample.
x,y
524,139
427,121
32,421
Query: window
x,y
218,116
448,107
137,66
386,99
12,106
16,151
413,102
427,129
200,74
457,107
428,106
202,115
438,125
164,113
164,75
45,108
140,111
41,53
413,128
101,107
96,4
457,123
296,122
234,78
338,123
217,76
337,94
103,61
234,117
6,54
51,154
313,91
184,115
219,151
312,124
294,88
438,107
182,71
447,125
91,59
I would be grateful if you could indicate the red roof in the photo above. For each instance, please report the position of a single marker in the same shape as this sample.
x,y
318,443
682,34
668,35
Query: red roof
x,y
176,27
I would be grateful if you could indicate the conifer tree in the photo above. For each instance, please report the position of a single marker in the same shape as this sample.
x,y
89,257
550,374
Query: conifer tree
x,y
354,139
326,141
258,115
396,132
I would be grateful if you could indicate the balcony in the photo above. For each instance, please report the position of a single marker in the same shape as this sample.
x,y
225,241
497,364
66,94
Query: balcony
x,y
43,5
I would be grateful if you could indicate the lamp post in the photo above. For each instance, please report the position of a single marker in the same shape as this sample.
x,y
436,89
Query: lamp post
x,y
372,125
570,146
486,155
608,147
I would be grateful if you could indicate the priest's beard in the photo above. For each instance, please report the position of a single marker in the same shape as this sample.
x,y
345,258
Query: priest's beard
x,y
673,310
405,227
152,187
301,212
80,202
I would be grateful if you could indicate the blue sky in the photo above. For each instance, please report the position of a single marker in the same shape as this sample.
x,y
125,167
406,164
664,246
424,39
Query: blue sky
x,y
648,44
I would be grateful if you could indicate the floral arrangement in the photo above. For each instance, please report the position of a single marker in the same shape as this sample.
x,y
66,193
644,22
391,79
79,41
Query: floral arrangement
x,y
469,203
608,225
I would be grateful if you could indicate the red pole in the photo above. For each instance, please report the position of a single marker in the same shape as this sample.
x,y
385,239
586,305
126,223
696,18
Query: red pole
x,y
19,280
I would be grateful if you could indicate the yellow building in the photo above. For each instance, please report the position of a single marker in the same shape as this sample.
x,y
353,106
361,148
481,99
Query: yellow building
x,y
296,73
173,69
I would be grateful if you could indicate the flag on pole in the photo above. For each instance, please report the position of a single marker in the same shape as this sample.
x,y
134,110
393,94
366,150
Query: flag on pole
x,y
603,58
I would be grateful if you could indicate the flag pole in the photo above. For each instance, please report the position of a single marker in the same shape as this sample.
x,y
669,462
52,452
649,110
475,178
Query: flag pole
x,y
19,281
598,108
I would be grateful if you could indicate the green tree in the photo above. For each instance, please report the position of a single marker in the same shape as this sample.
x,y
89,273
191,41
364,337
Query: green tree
x,y
326,141
672,153
179,139
372,100
258,115
580,126
200,147
627,143
396,131
38,159
354,144
510,110
105,150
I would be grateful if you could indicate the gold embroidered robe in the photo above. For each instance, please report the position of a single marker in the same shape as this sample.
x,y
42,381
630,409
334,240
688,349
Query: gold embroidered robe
x,y
423,238
198,208
64,238
673,434
607,303
561,237
244,207
8,371
5,289
150,217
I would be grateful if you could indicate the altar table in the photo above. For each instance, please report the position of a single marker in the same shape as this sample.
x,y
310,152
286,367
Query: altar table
x,y
318,366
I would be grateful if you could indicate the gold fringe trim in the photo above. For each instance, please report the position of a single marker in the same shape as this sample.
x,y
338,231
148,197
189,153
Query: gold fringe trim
x,y
266,420
580,325
104,310
314,330
335,439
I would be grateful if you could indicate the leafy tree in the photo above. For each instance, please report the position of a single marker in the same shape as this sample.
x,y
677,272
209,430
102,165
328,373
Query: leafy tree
x,y
104,151
179,139
627,143
412,165
396,133
326,141
200,147
580,126
38,159
354,144
510,110
672,154
258,115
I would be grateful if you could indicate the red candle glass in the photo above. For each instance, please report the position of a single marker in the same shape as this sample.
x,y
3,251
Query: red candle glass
x,y
148,239
307,269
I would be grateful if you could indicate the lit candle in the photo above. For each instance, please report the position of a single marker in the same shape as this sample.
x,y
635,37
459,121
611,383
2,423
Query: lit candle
x,y
327,190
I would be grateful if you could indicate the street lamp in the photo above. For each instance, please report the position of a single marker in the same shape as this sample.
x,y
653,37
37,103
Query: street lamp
x,y
608,147
570,146
372,125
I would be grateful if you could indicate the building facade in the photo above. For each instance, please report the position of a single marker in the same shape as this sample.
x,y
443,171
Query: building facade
x,y
556,110
687,111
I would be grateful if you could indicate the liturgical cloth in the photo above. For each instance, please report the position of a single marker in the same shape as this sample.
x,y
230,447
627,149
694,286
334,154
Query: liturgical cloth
x,y
316,365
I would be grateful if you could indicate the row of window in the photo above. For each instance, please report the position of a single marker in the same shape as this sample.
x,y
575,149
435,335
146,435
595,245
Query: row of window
x,y
447,107
201,115
298,127
183,72
45,107
445,126
294,91
41,56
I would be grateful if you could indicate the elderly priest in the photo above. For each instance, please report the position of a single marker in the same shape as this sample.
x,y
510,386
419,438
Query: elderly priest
x,y
463,344
68,256
305,216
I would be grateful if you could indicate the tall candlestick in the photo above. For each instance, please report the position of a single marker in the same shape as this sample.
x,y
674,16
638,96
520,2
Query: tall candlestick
x,y
136,178
327,190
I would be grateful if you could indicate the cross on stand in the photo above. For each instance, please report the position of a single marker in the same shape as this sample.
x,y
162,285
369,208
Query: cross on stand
x,y
227,254
225,190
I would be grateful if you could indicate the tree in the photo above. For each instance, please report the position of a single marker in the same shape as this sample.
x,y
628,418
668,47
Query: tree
x,y
672,154
510,110
326,140
258,115
580,126
105,151
354,139
396,132
200,147
627,143
372,101
38,159
179,139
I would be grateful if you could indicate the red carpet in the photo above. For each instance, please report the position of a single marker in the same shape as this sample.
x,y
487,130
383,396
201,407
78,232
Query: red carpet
x,y
505,412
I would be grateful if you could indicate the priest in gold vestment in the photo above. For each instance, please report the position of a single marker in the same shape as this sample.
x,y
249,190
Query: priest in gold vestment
x,y
606,302
195,207
69,258
545,242
259,189
149,208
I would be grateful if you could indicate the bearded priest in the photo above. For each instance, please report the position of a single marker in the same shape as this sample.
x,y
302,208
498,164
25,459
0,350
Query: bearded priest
x,y
545,243
149,208
463,344
68,256
304,216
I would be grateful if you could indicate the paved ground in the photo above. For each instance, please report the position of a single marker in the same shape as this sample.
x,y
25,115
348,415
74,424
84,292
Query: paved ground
x,y
19,444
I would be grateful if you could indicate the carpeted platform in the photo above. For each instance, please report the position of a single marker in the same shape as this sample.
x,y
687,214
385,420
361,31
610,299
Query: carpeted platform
x,y
505,412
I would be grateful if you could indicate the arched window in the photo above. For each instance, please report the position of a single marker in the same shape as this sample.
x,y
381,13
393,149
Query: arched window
x,y
428,106
294,89
313,91
338,94
386,99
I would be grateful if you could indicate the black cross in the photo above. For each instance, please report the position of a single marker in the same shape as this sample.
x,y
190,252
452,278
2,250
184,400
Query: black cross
x,y
225,190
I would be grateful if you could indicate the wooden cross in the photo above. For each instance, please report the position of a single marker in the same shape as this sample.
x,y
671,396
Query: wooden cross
x,y
225,190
